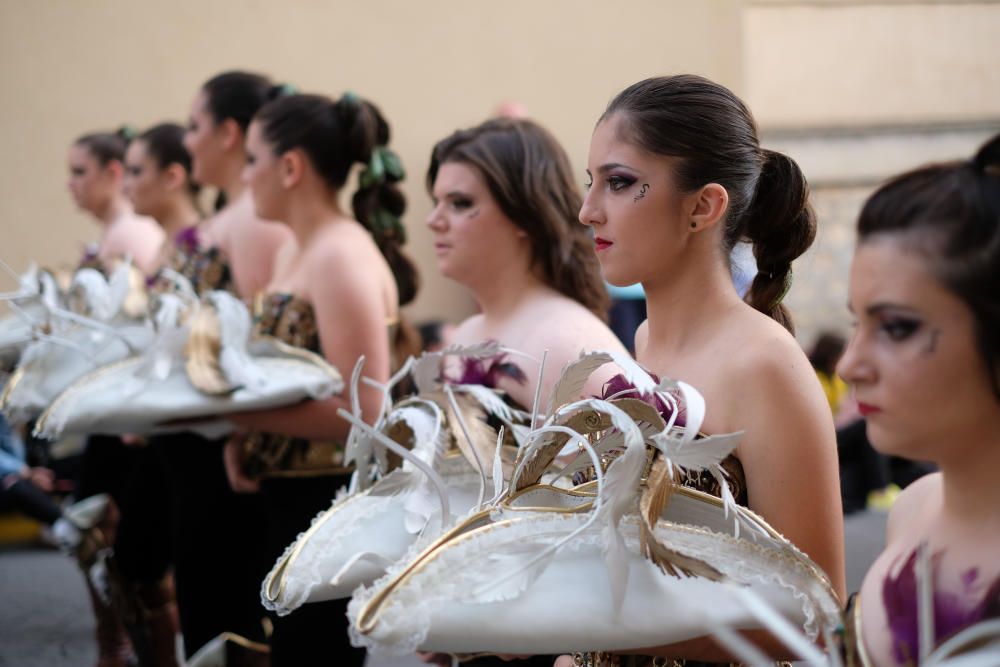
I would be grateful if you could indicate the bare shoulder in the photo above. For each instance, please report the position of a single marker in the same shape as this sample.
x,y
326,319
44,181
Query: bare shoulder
x,y
564,324
911,503
469,331
762,350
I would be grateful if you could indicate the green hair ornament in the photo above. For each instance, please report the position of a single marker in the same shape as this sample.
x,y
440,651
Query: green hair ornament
x,y
383,162
385,225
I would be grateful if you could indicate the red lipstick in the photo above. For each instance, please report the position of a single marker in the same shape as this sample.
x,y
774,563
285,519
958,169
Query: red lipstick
x,y
601,244
866,409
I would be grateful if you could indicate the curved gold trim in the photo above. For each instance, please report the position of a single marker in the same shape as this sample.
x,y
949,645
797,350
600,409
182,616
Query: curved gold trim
x,y
862,650
369,614
575,493
74,388
278,572
9,387
366,624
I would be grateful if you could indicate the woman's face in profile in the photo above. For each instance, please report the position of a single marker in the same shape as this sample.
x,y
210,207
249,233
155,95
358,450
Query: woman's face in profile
x,y
143,184
89,184
914,362
472,235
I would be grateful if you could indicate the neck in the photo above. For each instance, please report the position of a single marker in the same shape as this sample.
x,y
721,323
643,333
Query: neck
x,y
971,492
115,208
231,181
501,292
178,216
307,214
694,295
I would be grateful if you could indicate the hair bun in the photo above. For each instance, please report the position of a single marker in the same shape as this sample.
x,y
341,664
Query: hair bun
x,y
280,90
987,159
127,133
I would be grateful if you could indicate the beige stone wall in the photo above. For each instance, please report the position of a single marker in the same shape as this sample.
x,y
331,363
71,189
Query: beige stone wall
x,y
70,66
854,89
859,90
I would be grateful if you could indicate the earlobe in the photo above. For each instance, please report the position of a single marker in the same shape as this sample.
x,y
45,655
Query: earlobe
x,y
232,135
710,206
291,168
175,176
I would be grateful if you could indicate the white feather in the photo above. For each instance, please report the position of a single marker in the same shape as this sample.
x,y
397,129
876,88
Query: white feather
x,y
369,556
488,398
574,377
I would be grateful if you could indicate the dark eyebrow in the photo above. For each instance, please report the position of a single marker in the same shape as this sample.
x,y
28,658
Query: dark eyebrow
x,y
611,166
457,193
882,306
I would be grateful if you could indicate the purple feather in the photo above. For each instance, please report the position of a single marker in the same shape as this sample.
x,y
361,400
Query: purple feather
x,y
620,387
488,372
953,612
187,239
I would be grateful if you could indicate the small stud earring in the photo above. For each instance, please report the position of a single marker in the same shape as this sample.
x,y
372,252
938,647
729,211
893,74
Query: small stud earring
x,y
694,225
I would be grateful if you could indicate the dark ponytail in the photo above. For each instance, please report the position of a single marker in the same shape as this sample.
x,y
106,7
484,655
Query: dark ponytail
x,y
781,225
951,212
335,136
107,146
713,137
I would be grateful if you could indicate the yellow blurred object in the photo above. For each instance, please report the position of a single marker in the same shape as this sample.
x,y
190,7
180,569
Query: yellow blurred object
x,y
834,388
883,499
18,529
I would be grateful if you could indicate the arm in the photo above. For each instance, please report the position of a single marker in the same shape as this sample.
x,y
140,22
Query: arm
x,y
138,238
347,303
253,252
790,454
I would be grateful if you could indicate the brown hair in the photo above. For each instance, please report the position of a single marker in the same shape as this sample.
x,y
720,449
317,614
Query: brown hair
x,y
713,137
953,209
529,176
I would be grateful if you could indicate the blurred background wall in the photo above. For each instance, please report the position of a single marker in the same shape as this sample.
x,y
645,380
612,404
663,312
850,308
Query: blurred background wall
x,y
855,90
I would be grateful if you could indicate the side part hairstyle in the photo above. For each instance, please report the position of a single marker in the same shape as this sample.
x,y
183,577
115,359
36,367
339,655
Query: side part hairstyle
x,y
712,137
529,176
107,146
335,136
165,146
951,214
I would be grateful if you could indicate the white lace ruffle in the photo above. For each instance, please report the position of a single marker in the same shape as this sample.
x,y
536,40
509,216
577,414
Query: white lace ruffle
x,y
458,574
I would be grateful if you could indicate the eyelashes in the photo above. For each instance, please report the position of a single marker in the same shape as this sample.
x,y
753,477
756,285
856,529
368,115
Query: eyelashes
x,y
616,183
619,183
899,329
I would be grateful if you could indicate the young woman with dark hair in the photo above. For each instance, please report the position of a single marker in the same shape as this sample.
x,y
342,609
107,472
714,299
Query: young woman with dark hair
x,y
235,236
96,170
678,178
159,184
337,289
924,364
504,224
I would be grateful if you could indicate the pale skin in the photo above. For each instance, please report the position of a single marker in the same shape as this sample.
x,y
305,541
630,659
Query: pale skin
x,y
917,373
97,190
249,242
332,262
160,193
479,247
754,376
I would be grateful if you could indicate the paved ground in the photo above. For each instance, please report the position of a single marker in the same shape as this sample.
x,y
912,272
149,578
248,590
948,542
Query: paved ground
x,y
45,618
